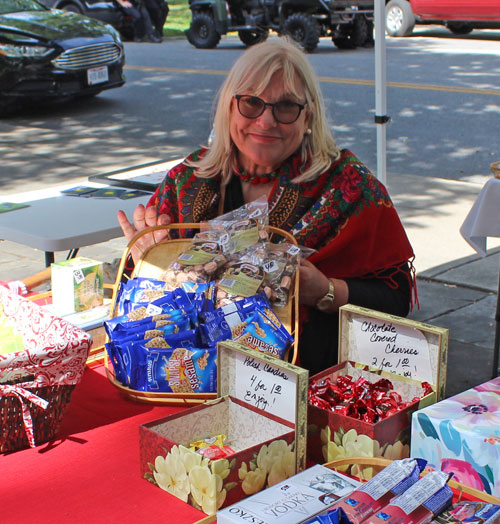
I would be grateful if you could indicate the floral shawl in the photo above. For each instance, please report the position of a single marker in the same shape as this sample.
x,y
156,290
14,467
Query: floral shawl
x,y
345,214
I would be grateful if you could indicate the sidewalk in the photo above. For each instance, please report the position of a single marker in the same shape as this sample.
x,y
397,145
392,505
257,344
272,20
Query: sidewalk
x,y
457,288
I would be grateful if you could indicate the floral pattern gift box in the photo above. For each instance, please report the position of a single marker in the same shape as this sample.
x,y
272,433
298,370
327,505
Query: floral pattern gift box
x,y
374,345
461,435
261,409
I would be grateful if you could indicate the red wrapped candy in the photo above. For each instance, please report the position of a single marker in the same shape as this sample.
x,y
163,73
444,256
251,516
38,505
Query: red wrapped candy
x,y
359,398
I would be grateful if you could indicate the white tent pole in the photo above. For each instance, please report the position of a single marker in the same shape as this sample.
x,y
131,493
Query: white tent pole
x,y
381,117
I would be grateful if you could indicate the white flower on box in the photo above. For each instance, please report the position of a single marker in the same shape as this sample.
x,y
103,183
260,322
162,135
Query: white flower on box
x,y
206,489
221,467
191,459
170,474
272,464
253,481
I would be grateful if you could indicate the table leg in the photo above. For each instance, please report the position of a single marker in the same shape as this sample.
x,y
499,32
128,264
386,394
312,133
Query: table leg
x,y
49,258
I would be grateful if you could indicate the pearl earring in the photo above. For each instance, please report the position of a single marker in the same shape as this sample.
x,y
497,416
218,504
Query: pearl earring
x,y
308,131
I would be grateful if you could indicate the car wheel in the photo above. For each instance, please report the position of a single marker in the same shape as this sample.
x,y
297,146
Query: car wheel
x,y
399,18
343,42
253,37
73,8
304,29
359,31
202,33
459,28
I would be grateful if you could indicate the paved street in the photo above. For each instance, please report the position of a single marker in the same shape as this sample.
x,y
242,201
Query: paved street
x,y
443,98
444,102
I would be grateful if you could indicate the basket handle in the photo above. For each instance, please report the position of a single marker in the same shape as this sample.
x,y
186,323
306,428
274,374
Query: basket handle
x,y
495,169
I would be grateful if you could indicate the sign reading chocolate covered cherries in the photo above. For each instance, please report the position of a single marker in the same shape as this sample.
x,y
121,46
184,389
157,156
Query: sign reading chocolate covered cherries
x,y
269,387
392,347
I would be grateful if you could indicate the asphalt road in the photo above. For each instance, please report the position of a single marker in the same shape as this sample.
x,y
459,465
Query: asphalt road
x,y
443,99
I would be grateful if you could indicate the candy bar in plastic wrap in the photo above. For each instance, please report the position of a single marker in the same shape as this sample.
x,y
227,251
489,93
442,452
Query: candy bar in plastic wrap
x,y
371,497
470,512
422,501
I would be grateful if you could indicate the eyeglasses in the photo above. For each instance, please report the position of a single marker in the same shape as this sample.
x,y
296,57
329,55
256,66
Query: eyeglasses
x,y
284,111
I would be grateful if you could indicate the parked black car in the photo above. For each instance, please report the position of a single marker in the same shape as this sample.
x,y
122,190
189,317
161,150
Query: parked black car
x,y
52,54
107,11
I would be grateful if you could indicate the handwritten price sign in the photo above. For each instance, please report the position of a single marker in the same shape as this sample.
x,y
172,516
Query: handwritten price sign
x,y
266,386
391,347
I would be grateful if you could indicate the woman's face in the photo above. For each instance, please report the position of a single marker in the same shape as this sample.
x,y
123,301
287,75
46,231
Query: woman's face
x,y
263,143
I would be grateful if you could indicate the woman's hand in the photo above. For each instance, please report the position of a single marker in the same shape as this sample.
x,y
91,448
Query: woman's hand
x,y
143,218
313,286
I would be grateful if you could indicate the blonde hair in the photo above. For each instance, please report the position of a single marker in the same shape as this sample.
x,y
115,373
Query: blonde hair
x,y
253,72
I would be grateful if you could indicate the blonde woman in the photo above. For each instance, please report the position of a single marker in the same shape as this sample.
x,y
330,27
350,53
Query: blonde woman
x,y
271,139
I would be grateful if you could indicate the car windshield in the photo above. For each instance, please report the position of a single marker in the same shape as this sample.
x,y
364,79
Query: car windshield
x,y
14,6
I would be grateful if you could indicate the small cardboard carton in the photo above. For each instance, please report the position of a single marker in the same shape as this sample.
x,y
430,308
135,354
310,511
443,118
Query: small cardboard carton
x,y
261,409
77,285
461,435
375,345
293,500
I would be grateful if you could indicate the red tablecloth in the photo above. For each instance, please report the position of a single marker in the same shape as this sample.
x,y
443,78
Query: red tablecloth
x,y
91,474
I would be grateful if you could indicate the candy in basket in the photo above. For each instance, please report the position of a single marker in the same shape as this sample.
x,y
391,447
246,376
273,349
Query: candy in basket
x,y
42,358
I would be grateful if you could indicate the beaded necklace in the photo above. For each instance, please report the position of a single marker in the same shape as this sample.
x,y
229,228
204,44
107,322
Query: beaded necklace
x,y
257,179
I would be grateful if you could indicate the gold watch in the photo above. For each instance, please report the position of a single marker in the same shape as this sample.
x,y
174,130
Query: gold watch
x,y
325,303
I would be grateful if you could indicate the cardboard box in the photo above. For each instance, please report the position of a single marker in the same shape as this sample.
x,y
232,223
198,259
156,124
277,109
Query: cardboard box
x,y
370,344
292,501
261,408
461,435
77,285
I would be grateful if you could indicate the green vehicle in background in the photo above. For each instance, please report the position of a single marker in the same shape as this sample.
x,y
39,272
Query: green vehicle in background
x,y
349,23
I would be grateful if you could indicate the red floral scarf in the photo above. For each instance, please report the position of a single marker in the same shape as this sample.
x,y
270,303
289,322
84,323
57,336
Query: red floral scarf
x,y
346,214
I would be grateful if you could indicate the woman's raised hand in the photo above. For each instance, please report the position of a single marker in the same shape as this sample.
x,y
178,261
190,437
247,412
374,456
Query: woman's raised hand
x,y
143,218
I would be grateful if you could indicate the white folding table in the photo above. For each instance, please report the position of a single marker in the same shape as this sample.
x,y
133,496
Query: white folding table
x,y
483,221
65,223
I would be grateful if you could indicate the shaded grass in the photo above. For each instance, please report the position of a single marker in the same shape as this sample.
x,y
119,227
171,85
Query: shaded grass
x,y
179,18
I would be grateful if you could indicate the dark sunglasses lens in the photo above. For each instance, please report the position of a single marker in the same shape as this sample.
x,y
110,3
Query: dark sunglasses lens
x,y
286,111
250,106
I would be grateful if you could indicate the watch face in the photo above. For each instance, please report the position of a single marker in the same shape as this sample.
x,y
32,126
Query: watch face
x,y
325,303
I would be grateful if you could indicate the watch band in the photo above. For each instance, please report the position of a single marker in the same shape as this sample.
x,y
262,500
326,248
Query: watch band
x,y
325,303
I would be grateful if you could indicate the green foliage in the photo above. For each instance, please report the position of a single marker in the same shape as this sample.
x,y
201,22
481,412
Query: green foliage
x,y
179,18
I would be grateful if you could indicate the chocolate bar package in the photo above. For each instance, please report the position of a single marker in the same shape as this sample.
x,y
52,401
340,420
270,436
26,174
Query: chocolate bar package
x,y
371,497
470,512
428,497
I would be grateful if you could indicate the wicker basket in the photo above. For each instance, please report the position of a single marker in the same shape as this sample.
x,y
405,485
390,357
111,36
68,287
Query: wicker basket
x,y
152,263
495,169
36,383
46,422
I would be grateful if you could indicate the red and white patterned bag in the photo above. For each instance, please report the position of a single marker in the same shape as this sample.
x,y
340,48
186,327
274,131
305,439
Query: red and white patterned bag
x,y
36,383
